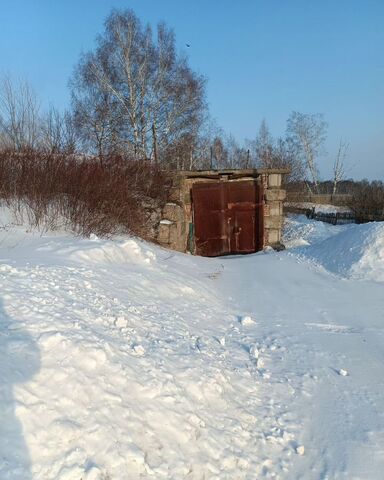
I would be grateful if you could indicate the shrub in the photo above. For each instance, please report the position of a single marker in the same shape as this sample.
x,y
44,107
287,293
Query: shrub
x,y
82,193
368,200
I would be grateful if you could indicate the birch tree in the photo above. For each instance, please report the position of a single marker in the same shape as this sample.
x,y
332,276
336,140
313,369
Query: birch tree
x,y
339,165
135,94
308,133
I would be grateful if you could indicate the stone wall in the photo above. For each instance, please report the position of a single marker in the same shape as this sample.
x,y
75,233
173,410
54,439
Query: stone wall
x,y
173,228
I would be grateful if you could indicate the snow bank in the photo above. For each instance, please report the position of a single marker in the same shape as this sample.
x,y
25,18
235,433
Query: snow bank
x,y
301,231
355,252
99,251
351,251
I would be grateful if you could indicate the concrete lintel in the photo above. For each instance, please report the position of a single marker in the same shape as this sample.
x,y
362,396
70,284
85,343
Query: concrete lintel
x,y
231,173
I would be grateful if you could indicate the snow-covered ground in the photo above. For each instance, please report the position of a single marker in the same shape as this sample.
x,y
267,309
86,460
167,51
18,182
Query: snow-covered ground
x,y
319,208
120,360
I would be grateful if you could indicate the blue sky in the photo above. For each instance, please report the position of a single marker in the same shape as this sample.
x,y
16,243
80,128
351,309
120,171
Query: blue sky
x,y
262,58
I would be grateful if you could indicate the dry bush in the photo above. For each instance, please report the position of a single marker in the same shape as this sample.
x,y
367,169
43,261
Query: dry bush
x,y
368,200
82,193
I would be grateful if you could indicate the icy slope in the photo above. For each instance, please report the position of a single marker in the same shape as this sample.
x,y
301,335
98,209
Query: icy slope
x,y
121,361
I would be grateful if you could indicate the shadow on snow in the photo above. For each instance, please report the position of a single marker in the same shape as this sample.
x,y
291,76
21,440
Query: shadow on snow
x,y
19,361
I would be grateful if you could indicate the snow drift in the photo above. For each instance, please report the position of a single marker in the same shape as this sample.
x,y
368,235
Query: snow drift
x,y
357,251
301,231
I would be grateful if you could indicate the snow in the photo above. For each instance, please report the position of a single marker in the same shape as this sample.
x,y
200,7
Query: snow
x,y
246,320
300,231
121,360
300,450
350,251
319,208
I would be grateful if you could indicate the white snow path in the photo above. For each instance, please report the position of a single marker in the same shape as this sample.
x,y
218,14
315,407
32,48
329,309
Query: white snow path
x,y
125,361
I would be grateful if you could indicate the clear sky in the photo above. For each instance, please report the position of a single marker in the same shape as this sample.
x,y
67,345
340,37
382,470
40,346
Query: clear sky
x,y
262,58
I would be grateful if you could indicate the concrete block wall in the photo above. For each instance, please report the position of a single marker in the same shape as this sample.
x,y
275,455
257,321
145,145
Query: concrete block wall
x,y
274,197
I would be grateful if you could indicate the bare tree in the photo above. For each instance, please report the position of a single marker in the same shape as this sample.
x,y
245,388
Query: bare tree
x,y
237,156
95,117
339,165
134,94
219,152
19,115
262,147
203,146
268,152
52,131
58,132
285,155
308,133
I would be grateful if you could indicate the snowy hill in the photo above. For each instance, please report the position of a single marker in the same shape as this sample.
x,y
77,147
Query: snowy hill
x,y
121,360
351,251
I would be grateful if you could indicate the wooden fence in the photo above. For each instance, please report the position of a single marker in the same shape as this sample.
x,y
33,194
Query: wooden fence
x,y
335,218
339,218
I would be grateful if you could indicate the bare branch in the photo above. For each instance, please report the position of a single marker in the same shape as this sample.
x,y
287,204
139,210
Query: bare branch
x,y
339,165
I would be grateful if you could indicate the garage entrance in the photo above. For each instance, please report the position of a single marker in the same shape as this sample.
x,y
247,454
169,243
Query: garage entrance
x,y
228,217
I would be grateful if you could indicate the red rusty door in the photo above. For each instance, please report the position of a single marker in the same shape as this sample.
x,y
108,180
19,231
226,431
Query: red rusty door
x,y
228,217
210,219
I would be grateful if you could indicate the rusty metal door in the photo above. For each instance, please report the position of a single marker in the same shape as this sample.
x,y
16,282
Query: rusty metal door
x,y
228,217
210,219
